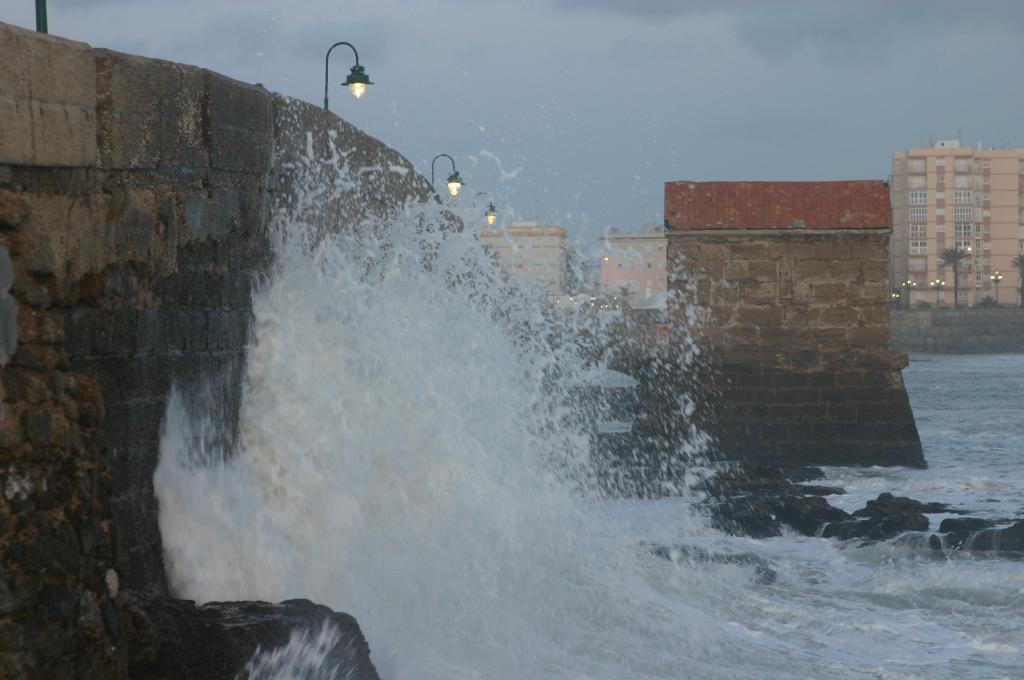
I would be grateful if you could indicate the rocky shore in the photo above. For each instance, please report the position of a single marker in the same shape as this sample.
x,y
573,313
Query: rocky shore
x,y
762,501
169,638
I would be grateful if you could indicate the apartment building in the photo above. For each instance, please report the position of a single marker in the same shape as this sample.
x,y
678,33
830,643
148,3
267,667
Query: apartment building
x,y
532,252
634,263
956,196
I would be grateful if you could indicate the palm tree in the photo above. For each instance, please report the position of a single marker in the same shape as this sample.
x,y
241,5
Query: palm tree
x,y
954,257
1018,263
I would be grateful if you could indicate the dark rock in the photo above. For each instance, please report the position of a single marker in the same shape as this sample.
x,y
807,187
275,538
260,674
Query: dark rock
x,y
887,504
763,572
803,473
1007,540
951,524
877,528
762,516
807,514
176,639
746,516
813,490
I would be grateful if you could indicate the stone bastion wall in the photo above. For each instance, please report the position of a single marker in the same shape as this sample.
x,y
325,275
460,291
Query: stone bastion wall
x,y
136,205
961,331
797,329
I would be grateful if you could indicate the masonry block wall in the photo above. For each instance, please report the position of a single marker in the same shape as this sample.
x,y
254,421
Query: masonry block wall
x,y
136,204
793,278
962,331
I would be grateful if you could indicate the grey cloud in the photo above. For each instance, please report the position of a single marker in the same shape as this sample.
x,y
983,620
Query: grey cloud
x,y
836,28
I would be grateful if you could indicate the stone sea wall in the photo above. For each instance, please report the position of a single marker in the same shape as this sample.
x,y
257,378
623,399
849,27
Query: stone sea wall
x,y
962,331
797,333
137,199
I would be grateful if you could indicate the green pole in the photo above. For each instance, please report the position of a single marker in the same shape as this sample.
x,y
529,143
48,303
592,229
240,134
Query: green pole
x,y
41,16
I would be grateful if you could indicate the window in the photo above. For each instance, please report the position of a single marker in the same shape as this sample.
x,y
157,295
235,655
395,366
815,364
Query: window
x,y
977,199
977,280
964,213
961,295
918,264
962,233
963,165
917,197
961,182
919,214
918,239
918,182
917,165
961,196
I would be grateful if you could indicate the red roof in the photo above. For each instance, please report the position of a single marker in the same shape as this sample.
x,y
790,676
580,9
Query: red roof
x,y
778,205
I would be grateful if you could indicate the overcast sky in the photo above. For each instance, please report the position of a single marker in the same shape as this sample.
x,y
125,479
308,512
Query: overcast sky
x,y
577,111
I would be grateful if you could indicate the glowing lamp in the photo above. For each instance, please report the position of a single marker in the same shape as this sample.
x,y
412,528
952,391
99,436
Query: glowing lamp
x,y
454,183
491,214
357,81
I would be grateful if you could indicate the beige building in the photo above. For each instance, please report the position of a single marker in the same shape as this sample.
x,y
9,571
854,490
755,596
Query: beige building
x,y
634,262
531,251
955,196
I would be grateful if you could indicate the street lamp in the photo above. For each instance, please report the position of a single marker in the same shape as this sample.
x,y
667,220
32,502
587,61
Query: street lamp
x,y
996,278
454,181
491,214
938,285
357,79
906,285
895,297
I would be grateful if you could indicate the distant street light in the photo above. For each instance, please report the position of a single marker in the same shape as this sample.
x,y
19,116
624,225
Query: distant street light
x,y
996,278
895,297
938,285
491,214
357,79
454,181
41,16
907,285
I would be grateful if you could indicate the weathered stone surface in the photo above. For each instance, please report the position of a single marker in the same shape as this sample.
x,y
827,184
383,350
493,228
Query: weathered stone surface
x,y
170,639
150,113
47,100
797,328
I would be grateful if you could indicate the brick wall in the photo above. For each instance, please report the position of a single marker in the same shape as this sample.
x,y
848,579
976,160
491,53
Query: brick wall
x,y
136,198
963,331
797,323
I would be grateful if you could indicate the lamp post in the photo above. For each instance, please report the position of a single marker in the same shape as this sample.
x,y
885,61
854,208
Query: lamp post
x,y
491,214
357,79
907,285
894,297
41,16
454,181
938,285
996,278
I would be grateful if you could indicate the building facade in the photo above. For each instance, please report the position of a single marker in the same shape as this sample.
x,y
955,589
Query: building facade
x,y
634,264
531,251
954,196
793,281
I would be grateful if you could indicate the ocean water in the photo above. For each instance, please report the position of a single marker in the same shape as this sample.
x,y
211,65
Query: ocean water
x,y
413,450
